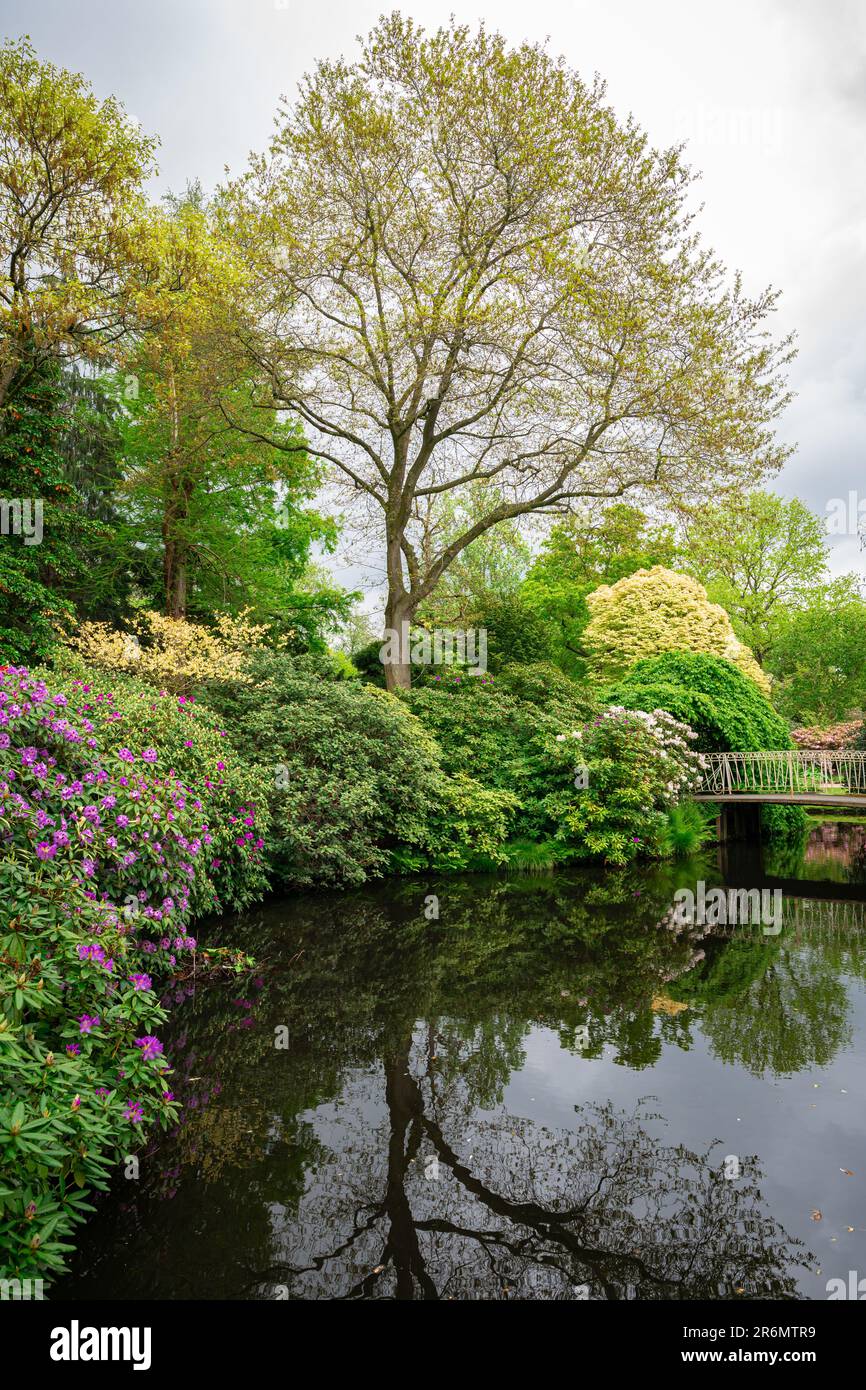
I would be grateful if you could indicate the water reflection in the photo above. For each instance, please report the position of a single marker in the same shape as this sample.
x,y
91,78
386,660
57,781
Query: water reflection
x,y
461,1108
603,1210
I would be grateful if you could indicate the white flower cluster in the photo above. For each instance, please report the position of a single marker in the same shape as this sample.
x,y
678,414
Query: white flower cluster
x,y
682,765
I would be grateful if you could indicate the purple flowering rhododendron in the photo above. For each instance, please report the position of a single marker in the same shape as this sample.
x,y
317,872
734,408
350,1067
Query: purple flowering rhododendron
x,y
100,830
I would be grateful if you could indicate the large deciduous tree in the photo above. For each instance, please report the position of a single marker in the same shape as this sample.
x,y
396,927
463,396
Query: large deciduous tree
x,y
71,169
468,270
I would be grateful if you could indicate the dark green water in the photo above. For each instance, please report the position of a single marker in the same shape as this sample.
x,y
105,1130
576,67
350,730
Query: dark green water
x,y
550,1092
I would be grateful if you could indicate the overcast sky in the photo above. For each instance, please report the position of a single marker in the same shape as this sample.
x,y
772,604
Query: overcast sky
x,y
769,94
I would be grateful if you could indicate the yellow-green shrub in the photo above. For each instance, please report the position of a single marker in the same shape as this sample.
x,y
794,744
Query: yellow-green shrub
x,y
658,610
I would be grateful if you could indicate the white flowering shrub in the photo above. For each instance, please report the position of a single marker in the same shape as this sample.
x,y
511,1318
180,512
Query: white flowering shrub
x,y
637,766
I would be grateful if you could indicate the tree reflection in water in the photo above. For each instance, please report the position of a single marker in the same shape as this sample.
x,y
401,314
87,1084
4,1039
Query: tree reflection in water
x,y
440,1202
376,1156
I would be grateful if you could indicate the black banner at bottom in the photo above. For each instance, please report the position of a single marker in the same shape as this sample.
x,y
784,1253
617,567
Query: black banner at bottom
x,y
68,1339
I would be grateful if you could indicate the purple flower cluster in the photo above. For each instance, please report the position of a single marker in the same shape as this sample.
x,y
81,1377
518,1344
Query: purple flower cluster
x,y
108,843
123,851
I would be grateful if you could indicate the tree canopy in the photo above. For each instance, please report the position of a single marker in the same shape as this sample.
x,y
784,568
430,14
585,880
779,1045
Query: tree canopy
x,y
466,269
71,205
757,556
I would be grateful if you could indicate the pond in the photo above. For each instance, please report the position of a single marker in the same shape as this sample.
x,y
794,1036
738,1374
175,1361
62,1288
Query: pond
x,y
556,1088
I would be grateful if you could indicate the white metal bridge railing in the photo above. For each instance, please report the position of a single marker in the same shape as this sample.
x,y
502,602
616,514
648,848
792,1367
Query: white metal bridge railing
x,y
793,770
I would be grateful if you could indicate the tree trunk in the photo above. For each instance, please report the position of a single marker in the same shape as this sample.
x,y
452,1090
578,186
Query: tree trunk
x,y
175,576
398,615
175,547
405,1109
174,517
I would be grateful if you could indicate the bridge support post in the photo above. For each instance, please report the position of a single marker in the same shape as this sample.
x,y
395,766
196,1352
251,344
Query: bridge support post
x,y
738,822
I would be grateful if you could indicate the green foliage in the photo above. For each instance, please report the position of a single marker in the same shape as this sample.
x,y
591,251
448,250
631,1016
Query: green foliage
x,y
502,732
516,633
725,708
90,448
353,781
466,830
63,1125
787,823
688,827
515,636
638,765
233,511
548,688
40,576
531,733
580,554
368,663
758,555
819,657
71,203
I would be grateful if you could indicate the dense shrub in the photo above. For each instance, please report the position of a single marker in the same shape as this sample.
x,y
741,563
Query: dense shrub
x,y
504,733
545,685
849,734
355,784
172,652
102,861
587,787
724,707
637,766
466,829
190,742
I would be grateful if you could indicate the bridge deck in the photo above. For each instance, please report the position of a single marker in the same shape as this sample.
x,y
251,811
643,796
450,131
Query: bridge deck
x,y
784,798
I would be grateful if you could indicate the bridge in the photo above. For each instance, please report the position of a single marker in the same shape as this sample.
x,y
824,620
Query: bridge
x,y
742,782
805,911
789,776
